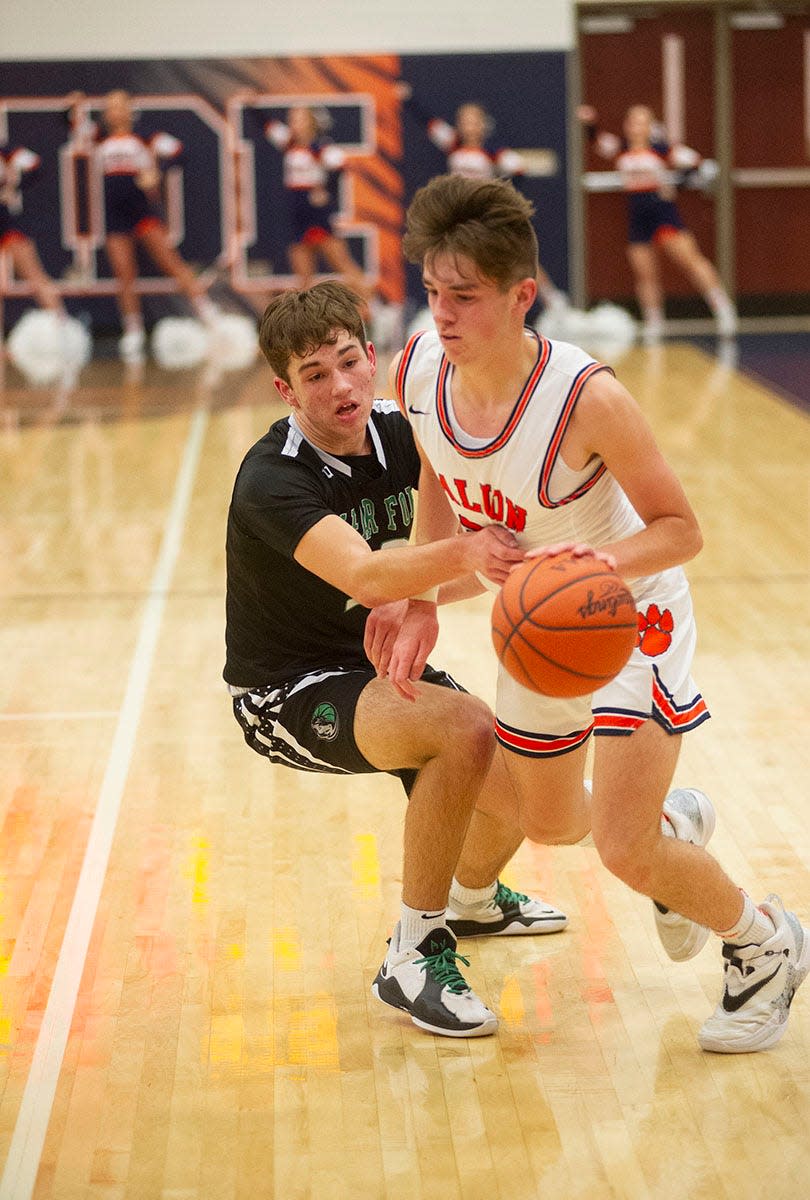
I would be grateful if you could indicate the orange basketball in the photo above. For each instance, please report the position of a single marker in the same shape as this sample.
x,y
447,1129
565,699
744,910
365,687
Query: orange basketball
x,y
564,626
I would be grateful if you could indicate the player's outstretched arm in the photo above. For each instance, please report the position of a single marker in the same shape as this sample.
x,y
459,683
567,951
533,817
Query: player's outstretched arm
x,y
337,553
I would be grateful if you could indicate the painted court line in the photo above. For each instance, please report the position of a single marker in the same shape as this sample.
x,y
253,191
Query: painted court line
x,y
25,1151
78,715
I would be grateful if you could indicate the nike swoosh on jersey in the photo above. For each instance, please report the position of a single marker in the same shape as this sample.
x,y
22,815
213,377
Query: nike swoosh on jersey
x,y
419,412
734,1003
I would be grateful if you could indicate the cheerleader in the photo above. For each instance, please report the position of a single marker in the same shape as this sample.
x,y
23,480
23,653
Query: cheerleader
x,y
469,151
312,166
649,168
17,165
131,169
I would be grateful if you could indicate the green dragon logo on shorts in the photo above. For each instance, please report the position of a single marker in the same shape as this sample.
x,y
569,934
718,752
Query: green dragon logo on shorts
x,y
325,721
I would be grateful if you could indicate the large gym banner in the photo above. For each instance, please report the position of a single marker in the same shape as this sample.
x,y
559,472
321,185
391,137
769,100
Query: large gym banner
x,y
223,197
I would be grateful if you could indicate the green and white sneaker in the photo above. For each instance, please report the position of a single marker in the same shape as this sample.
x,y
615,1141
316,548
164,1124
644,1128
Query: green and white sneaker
x,y
759,985
507,912
690,817
426,983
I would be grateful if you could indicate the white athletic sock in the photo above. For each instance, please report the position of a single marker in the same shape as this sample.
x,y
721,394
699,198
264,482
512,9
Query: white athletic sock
x,y
471,897
719,300
416,923
205,309
753,928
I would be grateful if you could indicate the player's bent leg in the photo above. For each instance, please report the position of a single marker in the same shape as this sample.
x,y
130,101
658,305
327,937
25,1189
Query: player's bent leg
x,y
480,904
688,815
350,722
553,804
447,735
631,779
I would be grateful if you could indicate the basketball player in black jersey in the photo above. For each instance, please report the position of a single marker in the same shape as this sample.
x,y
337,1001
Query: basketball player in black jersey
x,y
310,598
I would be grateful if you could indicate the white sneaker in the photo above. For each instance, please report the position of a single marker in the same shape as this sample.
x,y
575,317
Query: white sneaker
x,y
759,984
426,983
507,912
691,817
132,345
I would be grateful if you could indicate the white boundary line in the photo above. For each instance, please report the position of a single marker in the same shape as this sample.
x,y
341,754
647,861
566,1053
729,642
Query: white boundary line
x,y
78,715
22,1165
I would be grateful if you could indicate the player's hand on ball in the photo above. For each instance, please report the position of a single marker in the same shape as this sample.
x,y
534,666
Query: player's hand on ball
x,y
575,549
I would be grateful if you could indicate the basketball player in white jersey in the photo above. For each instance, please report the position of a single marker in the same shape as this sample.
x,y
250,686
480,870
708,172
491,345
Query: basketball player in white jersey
x,y
537,437
469,151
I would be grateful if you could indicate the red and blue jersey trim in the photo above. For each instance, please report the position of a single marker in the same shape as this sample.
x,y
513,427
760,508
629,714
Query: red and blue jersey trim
x,y
556,441
523,401
405,360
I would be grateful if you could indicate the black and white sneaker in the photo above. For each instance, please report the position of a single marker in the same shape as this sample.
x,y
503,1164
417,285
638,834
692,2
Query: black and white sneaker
x,y
759,985
507,912
426,983
690,815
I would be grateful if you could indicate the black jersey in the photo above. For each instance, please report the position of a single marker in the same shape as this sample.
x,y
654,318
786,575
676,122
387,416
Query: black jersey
x,y
281,620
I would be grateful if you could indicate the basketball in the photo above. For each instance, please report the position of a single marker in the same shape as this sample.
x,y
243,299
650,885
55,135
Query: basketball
x,y
564,626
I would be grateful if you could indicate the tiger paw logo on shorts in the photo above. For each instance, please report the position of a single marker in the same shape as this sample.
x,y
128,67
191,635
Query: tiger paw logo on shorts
x,y
654,631
325,721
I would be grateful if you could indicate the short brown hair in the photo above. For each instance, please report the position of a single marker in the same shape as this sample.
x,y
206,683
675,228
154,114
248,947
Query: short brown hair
x,y
486,220
298,322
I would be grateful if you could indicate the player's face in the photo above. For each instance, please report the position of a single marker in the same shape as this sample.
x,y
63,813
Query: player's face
x,y
331,391
472,313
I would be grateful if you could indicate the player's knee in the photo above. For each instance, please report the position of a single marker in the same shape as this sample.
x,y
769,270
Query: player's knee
x,y
552,829
469,730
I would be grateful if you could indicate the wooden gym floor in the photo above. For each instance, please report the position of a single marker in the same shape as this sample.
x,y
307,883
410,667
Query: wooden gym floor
x,y
188,936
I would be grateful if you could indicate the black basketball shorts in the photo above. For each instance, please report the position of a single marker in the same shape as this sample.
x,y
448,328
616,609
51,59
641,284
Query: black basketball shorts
x,y
308,722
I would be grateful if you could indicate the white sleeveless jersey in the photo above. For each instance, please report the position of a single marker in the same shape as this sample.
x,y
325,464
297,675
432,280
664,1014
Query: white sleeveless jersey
x,y
518,479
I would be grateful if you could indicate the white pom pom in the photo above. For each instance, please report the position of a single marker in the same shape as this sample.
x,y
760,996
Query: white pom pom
x,y
423,320
233,341
46,346
564,325
610,323
179,342
605,329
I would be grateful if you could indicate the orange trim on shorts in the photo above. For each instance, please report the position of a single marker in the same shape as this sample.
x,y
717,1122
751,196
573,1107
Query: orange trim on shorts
x,y
665,232
147,223
315,236
540,745
678,718
14,235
